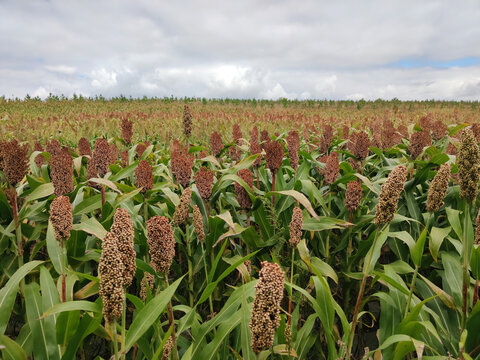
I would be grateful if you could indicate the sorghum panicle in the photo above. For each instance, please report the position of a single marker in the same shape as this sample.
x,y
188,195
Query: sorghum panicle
x,y
266,306
204,181
353,195
332,168
389,195
144,176
296,226
61,217
101,157
198,223
216,143
14,161
181,211
241,194
53,146
110,270
438,188
439,130
237,134
127,130
293,145
161,242
187,121
122,228
274,155
148,280
468,159
84,147
359,145
181,164
61,171
418,141
39,159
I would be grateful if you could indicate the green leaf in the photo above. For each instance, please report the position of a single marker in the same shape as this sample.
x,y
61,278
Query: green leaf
x,y
417,251
11,350
473,325
43,332
149,314
324,223
245,334
106,182
91,226
50,296
437,235
475,262
446,298
302,199
57,253
72,306
454,220
9,292
41,191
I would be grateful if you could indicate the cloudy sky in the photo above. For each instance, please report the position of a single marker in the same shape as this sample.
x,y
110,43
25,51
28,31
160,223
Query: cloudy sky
x,y
242,49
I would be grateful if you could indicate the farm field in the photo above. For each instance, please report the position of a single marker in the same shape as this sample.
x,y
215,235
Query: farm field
x,y
239,229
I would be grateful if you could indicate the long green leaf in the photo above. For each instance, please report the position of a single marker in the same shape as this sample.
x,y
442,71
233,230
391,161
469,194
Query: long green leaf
x,y
41,191
57,253
11,350
149,314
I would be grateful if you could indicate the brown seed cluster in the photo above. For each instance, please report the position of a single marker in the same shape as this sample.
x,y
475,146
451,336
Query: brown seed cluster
x,y
144,176
181,211
167,348
353,195
122,228
110,270
161,242
124,157
241,194
332,168
39,159
113,155
84,147
198,223
293,145
274,155
127,130
61,217
53,146
468,159
418,141
264,137
359,144
14,161
181,164
237,134
389,195
439,130
141,147
216,144
255,147
204,181
101,157
187,121
438,188
266,306
61,171
148,280
296,226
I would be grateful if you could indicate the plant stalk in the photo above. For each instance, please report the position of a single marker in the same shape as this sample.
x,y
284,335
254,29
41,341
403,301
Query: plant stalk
x,y
466,275
190,267
410,294
171,320
124,320
114,334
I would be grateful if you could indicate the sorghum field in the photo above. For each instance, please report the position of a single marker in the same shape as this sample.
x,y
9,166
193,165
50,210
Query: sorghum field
x,y
227,229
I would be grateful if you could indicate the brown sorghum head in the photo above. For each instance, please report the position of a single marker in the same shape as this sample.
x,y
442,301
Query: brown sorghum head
x,y
167,348
266,306
39,159
332,168
241,194
439,130
359,144
122,228
124,157
296,226
110,270
148,280
198,223
476,130
144,176
53,146
418,141
84,147
141,147
237,134
403,130
14,161
255,147
389,195
101,157
438,188
426,122
61,172
181,211
187,121
451,149
113,153
161,242
274,155
127,130
181,164
216,143
293,144
353,195
254,133
204,181
61,217
327,136
264,136
468,159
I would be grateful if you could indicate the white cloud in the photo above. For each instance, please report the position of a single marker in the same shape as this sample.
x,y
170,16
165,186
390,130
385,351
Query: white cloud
x,y
309,49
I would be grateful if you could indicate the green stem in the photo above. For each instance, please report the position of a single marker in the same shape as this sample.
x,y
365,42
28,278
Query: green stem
x,y
466,275
114,334
206,279
171,319
327,244
18,234
124,319
190,266
290,304
412,286
366,269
